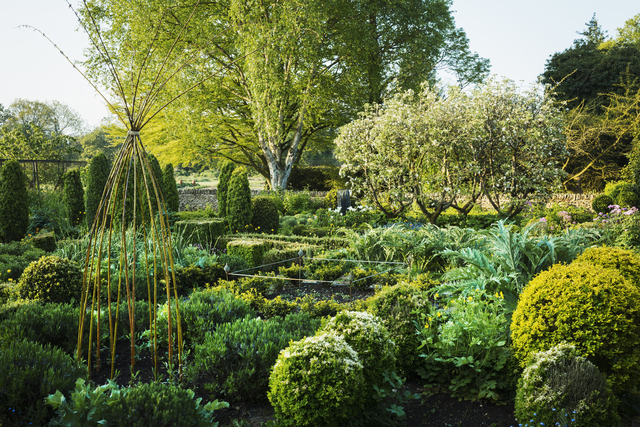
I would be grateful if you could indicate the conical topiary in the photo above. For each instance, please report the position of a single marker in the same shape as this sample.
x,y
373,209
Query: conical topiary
x,y
96,180
73,196
239,201
223,186
14,202
171,198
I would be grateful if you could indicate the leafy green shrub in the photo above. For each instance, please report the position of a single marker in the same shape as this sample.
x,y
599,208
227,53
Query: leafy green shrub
x,y
234,262
601,203
235,360
95,406
203,312
266,218
239,202
317,381
199,277
314,178
628,199
97,177
625,261
371,340
400,308
51,279
29,372
330,200
328,271
223,187
614,189
158,404
594,308
73,196
319,308
14,202
465,347
45,240
296,202
47,324
559,385
170,189
15,257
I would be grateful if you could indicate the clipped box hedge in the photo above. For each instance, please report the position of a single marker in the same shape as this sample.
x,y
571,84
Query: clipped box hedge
x,y
251,251
204,232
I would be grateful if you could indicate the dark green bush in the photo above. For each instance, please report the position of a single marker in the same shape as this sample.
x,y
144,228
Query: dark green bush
x,y
313,178
203,312
399,308
235,361
14,202
613,189
223,187
29,372
170,189
559,385
73,196
15,257
45,240
161,405
157,174
195,276
47,324
601,203
52,279
239,202
265,217
97,177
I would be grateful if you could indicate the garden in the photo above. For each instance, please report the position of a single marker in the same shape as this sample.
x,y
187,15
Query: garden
x,y
293,310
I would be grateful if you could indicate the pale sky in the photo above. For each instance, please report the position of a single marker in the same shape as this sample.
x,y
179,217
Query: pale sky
x,y
517,36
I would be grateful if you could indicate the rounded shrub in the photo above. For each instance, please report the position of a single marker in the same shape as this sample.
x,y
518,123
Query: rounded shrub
x,y
223,186
158,405
51,279
264,216
614,189
97,177
29,372
14,202
594,308
237,358
559,387
370,339
628,199
601,203
317,381
625,261
73,196
239,201
170,189
399,307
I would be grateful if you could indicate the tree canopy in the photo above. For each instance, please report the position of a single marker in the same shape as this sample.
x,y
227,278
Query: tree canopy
x,y
274,77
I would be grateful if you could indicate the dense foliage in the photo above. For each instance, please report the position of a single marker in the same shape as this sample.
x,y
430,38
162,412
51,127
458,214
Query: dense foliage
x,y
52,279
239,201
170,189
14,202
223,187
97,175
74,196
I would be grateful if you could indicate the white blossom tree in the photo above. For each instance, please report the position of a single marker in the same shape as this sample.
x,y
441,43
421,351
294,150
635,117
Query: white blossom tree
x,y
441,150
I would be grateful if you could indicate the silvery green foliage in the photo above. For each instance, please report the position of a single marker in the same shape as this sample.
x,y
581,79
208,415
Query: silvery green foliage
x,y
559,386
432,149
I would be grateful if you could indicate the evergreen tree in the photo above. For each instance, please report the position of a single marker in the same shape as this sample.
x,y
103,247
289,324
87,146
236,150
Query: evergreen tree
x,y
170,189
223,185
14,202
73,196
157,173
97,177
239,201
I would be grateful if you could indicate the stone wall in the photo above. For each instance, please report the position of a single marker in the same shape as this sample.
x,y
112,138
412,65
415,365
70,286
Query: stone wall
x,y
198,198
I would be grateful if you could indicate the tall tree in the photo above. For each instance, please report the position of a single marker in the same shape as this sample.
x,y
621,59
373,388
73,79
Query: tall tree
x,y
284,71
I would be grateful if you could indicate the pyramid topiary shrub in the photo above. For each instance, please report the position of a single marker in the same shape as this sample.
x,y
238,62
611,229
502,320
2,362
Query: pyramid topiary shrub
x,y
239,202
97,176
157,174
595,309
170,189
223,186
73,196
14,202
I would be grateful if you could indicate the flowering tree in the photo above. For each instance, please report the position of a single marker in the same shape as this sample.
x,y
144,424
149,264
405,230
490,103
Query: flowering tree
x,y
432,149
